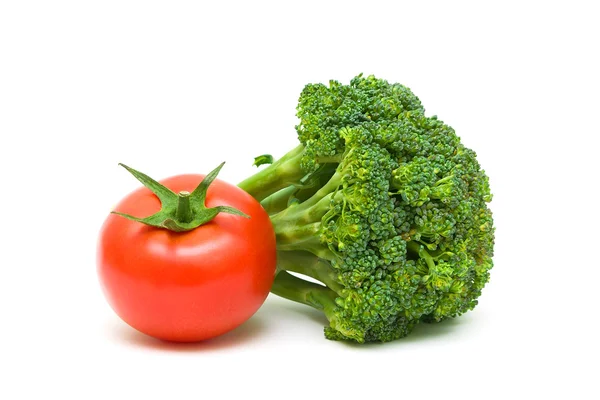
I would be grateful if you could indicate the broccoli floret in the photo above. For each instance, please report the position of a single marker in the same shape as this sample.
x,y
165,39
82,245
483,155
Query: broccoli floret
x,y
381,204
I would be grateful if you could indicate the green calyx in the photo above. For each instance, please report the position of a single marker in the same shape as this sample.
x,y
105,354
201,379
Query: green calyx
x,y
183,211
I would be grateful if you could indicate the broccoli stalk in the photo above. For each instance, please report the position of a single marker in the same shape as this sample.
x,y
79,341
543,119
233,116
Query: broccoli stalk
x,y
282,173
383,206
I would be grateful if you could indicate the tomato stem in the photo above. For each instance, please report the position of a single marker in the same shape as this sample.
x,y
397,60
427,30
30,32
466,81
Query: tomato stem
x,y
184,209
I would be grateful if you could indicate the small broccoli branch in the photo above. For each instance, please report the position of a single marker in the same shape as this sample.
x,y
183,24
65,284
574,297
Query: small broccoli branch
x,y
299,227
336,159
319,297
297,236
279,201
303,238
299,290
419,250
310,265
299,192
324,193
308,211
282,173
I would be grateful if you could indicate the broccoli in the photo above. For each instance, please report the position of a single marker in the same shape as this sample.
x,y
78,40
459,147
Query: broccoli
x,y
381,204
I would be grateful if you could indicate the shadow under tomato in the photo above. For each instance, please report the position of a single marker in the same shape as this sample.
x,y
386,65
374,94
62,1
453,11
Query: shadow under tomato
x,y
244,333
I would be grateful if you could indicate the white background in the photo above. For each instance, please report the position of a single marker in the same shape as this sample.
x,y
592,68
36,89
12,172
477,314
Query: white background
x,y
176,87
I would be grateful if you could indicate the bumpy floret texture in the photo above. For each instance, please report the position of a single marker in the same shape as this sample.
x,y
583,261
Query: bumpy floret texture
x,y
409,231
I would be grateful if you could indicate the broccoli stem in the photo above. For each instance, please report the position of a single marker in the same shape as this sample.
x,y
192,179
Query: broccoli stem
x,y
310,265
279,175
336,159
298,227
419,249
319,297
290,235
299,214
303,238
301,192
278,201
293,288
310,211
324,192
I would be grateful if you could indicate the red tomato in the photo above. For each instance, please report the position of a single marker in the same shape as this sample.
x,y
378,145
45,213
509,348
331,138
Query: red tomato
x,y
193,285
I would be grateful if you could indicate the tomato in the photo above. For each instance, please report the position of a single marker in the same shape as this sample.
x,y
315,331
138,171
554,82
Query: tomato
x,y
191,285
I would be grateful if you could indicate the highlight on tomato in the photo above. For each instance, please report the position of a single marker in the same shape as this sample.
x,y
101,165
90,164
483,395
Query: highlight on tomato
x,y
186,259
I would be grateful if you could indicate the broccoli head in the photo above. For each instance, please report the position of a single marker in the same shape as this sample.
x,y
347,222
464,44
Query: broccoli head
x,y
381,204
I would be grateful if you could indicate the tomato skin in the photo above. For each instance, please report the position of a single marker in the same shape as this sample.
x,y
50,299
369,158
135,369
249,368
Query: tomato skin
x,y
187,286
